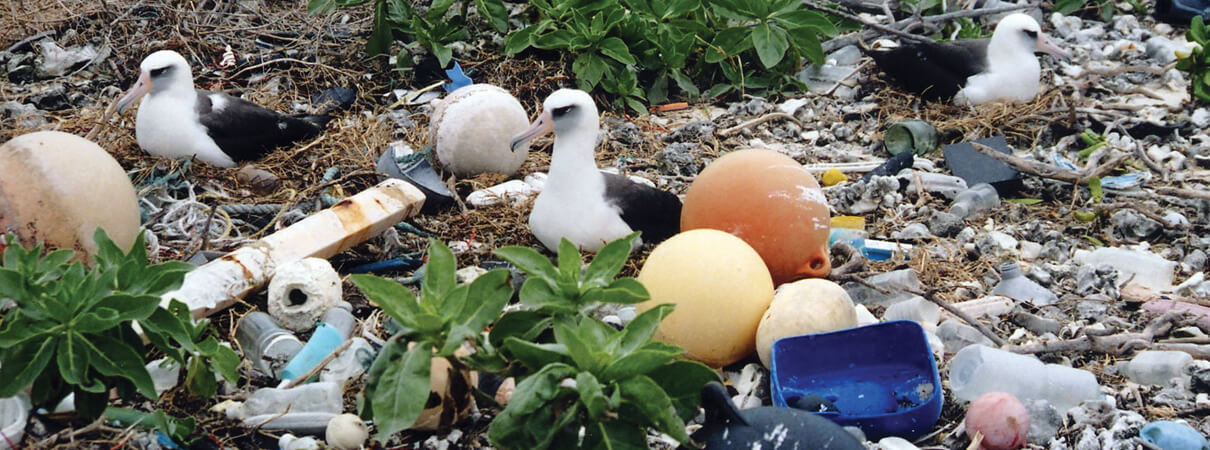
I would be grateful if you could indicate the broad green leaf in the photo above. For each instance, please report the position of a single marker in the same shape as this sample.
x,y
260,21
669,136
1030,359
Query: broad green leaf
x,y
638,362
553,40
623,291
523,325
394,299
17,331
570,263
489,293
650,398
521,39
682,380
380,36
226,363
397,402
581,353
320,7
451,307
807,20
807,42
23,364
443,53
439,277
590,68
531,262
199,379
609,261
592,395
536,391
615,48
771,43
728,43
72,358
115,358
535,356
536,293
495,12
130,307
615,435
1068,6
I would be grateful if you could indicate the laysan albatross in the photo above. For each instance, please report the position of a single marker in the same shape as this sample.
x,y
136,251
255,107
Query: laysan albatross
x,y
579,202
178,121
973,71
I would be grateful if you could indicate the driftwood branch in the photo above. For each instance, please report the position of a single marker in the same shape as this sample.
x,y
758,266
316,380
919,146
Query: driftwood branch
x,y
1113,344
1044,170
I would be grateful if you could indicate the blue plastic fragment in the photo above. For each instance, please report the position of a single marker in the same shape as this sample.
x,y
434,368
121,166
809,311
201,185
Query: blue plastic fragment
x,y
1169,435
458,79
388,265
165,441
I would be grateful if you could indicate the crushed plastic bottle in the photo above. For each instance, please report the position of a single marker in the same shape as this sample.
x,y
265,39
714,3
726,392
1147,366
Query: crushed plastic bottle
x,y
309,398
978,198
1144,268
1014,284
265,343
979,369
900,283
1156,367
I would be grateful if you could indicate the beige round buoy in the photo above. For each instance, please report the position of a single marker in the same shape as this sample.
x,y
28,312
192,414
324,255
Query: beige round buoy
x,y
807,306
472,128
720,287
57,188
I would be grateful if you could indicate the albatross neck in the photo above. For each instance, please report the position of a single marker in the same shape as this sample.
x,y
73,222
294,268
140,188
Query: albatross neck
x,y
572,160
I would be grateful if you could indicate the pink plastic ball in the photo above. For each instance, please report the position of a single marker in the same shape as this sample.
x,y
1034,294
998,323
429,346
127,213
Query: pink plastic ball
x,y
1001,418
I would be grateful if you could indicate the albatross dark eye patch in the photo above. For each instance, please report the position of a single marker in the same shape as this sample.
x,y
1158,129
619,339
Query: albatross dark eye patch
x,y
160,71
1031,34
558,112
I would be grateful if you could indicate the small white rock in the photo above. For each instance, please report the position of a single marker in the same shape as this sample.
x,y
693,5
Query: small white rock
x,y
1030,250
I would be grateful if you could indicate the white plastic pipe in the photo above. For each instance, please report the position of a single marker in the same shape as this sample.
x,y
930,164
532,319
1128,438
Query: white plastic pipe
x,y
219,283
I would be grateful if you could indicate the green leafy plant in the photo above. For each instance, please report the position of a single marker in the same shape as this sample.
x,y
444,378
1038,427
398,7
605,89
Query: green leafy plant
x,y
444,318
82,319
179,429
1197,62
617,44
433,26
613,385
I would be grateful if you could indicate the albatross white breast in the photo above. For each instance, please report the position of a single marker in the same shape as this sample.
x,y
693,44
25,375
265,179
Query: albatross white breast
x,y
177,121
579,202
973,71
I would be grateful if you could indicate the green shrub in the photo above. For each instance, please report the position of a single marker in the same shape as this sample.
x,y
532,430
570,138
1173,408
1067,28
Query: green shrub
x,y
81,319
1197,62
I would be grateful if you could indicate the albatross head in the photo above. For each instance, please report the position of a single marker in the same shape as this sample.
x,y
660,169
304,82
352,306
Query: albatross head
x,y
160,71
1021,33
566,111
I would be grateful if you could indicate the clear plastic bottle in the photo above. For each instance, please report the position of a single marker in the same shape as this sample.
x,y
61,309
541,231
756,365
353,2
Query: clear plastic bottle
x,y
1014,284
332,331
265,343
980,197
322,397
1156,367
979,369
900,283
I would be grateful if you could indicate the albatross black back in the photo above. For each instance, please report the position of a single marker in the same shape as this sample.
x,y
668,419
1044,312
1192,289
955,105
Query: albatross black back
x,y
654,212
935,70
247,131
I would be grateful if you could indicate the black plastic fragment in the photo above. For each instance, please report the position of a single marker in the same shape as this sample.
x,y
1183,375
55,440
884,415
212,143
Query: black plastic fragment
x,y
974,167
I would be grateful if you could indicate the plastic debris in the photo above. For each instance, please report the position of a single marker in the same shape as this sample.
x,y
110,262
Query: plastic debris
x,y
458,79
977,199
1013,284
346,432
729,427
265,343
1144,268
1169,435
332,331
302,291
978,369
1157,367
14,414
291,442
974,167
916,136
1000,418
402,163
832,177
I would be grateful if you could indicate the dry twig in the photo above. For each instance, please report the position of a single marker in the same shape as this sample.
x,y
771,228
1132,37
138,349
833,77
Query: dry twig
x,y
1113,344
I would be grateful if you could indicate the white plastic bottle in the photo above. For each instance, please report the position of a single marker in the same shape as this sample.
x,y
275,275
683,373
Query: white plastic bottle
x,y
978,198
978,369
1014,284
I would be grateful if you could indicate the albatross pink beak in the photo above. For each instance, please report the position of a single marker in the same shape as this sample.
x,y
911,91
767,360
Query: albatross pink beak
x,y
141,88
1045,46
538,128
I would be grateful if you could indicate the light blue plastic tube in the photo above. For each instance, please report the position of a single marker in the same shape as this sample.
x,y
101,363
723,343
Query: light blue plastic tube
x,y
332,331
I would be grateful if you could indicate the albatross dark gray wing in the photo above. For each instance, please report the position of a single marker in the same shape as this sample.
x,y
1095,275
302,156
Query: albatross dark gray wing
x,y
935,70
654,212
247,131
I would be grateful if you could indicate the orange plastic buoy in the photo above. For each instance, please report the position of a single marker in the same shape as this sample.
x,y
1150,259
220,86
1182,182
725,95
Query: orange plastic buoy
x,y
772,203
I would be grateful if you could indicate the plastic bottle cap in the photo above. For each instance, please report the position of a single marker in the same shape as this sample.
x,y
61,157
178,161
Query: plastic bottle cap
x,y
1010,270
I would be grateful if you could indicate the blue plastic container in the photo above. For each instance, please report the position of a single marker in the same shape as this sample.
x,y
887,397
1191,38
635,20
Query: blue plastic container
x,y
881,377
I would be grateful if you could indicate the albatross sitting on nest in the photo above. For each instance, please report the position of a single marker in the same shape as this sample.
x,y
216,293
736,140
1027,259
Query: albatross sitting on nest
x,y
973,71
579,202
178,121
